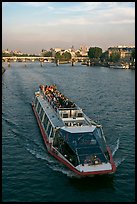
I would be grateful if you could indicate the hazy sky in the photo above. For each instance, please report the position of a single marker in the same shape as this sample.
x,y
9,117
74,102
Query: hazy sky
x,y
33,26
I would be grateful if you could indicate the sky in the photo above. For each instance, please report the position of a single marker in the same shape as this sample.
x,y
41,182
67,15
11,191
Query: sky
x,y
32,26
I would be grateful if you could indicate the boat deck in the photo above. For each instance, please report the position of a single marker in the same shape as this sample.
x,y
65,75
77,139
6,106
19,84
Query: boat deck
x,y
60,110
59,117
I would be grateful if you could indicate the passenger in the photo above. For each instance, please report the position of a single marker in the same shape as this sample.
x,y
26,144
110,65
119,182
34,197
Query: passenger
x,y
41,87
45,87
96,160
54,99
67,103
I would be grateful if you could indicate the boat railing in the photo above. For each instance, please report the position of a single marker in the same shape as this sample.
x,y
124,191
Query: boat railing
x,y
61,109
58,102
71,111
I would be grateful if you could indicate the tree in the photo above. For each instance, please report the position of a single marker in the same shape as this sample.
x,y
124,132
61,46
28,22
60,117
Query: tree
x,y
6,54
94,52
104,56
114,57
57,56
47,54
133,54
66,56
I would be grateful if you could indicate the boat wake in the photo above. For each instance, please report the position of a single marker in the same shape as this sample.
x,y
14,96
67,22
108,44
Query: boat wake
x,y
118,161
117,157
60,168
116,147
38,152
52,163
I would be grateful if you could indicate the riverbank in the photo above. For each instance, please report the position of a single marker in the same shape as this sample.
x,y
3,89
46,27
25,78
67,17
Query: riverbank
x,y
110,65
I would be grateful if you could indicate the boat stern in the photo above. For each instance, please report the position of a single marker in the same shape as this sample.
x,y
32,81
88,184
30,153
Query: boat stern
x,y
86,169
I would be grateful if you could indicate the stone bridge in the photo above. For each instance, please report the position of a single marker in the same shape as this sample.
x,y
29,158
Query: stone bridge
x,y
24,59
41,59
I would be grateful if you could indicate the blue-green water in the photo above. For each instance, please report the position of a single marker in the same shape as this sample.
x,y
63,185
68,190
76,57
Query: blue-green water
x,y
29,173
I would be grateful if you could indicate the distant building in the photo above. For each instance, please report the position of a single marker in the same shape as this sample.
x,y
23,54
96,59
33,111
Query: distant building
x,y
72,49
83,50
15,52
124,51
6,51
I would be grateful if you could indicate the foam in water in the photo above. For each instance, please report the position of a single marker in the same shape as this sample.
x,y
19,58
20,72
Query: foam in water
x,y
51,162
60,168
116,147
34,152
118,161
40,155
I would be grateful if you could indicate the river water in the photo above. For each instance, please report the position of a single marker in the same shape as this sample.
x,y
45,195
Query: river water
x,y
29,173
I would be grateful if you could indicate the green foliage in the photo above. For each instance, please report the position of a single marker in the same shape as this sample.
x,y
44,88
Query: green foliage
x,y
7,55
47,54
104,56
94,52
133,54
66,56
57,56
114,57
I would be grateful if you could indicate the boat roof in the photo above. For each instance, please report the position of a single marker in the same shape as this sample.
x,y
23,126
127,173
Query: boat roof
x,y
50,112
79,129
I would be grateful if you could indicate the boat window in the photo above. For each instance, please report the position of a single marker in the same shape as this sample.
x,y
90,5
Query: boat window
x,y
38,107
80,124
92,141
43,117
79,115
64,115
88,156
86,139
99,132
45,122
47,125
99,137
51,132
40,110
49,128
41,113
58,140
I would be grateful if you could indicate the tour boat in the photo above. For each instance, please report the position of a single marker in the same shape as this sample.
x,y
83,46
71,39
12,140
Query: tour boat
x,y
70,135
